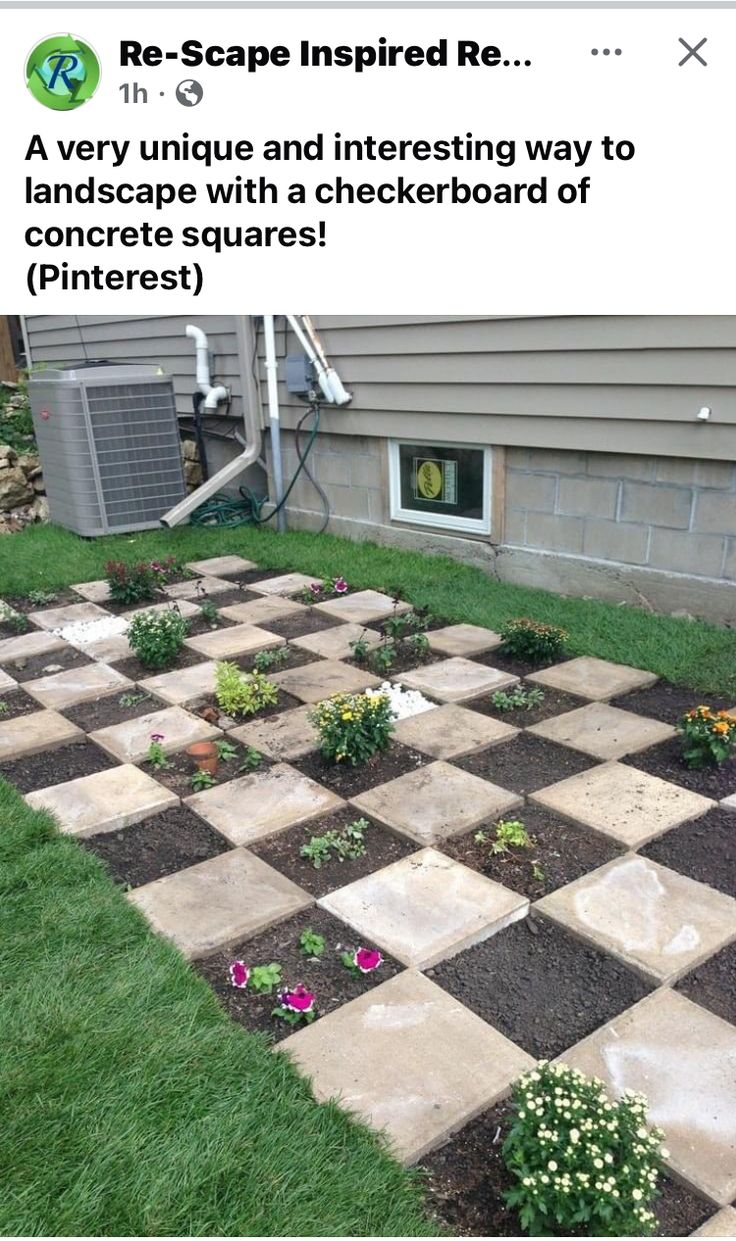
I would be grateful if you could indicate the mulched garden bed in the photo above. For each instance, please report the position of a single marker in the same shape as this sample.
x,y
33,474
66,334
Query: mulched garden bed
x,y
57,599
178,775
327,977
540,986
252,575
516,667
667,702
67,762
166,843
526,763
111,709
282,852
299,623
703,849
712,984
198,625
554,703
15,631
35,666
136,671
226,598
348,781
665,760
467,1180
294,658
15,702
563,851
207,703
405,661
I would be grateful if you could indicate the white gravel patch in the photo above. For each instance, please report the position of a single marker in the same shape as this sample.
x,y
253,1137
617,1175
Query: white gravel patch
x,y
82,634
404,702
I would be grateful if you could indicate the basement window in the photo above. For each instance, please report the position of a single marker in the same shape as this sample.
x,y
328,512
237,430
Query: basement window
x,y
442,485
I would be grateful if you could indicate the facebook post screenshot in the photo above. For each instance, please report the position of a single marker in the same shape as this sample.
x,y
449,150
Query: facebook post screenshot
x,y
368,675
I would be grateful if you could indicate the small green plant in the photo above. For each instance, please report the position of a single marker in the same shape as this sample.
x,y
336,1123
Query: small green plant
x,y
272,658
532,641
353,727
263,978
708,737
397,623
157,637
210,613
17,621
518,699
507,834
251,760
584,1164
226,751
418,619
156,756
41,598
242,693
538,874
318,850
202,780
383,657
4,707
349,843
418,643
311,944
360,648
133,699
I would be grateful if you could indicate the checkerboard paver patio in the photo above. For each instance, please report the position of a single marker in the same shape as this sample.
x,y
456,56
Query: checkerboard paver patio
x,y
408,1053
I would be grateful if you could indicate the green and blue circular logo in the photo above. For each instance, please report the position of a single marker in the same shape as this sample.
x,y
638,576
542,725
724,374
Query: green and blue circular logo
x,y
62,72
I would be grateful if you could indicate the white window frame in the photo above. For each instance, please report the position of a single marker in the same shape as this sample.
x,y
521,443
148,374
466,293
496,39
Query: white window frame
x,y
439,521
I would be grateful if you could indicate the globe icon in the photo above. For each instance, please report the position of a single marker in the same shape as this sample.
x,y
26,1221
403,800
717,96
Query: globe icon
x,y
189,93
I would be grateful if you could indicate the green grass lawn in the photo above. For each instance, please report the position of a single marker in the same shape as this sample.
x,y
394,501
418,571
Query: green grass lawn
x,y
690,653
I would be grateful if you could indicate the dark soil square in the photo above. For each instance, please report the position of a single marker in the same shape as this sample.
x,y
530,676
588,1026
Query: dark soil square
x,y
207,704
67,762
44,665
178,775
332,984
553,703
348,781
253,575
137,671
198,625
404,661
282,852
540,986
112,709
299,623
161,845
516,667
526,763
563,852
56,599
16,702
713,984
467,1181
665,760
293,658
14,631
226,598
664,701
704,849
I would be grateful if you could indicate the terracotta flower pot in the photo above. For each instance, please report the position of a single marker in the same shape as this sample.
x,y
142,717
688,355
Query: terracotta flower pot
x,y
204,755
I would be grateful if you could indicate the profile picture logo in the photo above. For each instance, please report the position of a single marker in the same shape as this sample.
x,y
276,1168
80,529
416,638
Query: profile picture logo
x,y
62,72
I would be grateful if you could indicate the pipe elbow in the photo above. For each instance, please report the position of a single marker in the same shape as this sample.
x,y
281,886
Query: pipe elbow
x,y
215,395
197,335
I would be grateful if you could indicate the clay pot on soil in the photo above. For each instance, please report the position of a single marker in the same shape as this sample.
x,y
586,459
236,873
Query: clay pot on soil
x,y
204,755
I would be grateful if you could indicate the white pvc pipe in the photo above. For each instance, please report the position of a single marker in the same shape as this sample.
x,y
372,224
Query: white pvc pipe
x,y
327,377
274,420
212,395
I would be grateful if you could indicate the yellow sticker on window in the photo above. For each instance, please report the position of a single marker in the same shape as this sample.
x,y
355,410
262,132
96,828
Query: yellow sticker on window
x,y
429,480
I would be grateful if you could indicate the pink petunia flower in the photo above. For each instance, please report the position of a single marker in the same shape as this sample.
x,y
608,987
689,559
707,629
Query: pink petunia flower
x,y
297,1001
367,960
316,588
239,974
157,736
340,586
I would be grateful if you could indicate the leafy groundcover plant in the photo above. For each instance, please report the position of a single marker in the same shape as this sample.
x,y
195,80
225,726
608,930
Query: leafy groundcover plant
x,y
157,637
532,641
582,1163
708,737
353,727
242,693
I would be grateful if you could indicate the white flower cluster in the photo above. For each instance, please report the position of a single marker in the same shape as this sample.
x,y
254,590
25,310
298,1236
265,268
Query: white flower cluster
x,y
578,1156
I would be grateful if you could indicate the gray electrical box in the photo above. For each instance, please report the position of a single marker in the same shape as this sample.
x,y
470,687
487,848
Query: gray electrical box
x,y
300,376
108,438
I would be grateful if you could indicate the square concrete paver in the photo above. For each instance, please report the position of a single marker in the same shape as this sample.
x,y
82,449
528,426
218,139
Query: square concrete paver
x,y
104,801
722,1224
57,618
235,640
656,920
84,684
109,650
218,902
463,640
284,584
263,803
30,734
629,805
603,731
450,731
129,741
593,678
261,611
335,643
287,735
729,803
222,566
435,802
684,1060
426,907
322,679
409,1060
362,607
456,679
26,645
183,684
183,606
6,683
93,592
195,588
